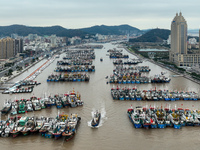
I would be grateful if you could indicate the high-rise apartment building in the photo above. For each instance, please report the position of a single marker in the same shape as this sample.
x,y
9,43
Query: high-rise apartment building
x,y
18,46
53,39
7,48
10,47
178,52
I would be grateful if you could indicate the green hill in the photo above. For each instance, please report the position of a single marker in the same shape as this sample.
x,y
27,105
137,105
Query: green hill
x,y
25,30
154,35
112,30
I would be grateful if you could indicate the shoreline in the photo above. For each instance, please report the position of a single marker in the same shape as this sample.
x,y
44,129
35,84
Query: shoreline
x,y
25,69
161,65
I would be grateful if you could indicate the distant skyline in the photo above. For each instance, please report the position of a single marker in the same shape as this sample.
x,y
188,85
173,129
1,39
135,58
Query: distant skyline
x,y
75,14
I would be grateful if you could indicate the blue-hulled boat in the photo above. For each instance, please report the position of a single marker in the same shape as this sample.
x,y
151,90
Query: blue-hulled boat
x,y
96,119
60,128
72,126
153,122
175,119
134,116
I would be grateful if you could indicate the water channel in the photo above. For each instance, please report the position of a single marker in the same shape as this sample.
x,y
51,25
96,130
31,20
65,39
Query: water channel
x,y
116,130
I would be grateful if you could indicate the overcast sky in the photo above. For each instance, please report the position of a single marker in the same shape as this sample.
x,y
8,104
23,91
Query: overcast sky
x,y
74,14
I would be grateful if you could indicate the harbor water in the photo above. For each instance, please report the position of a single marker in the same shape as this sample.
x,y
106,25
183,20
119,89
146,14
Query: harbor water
x,y
116,132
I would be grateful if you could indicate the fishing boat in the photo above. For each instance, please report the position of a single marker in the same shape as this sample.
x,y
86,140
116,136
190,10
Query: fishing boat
x,y
29,106
21,106
196,118
7,107
96,119
50,131
2,126
29,125
61,127
35,103
175,119
47,102
168,122
46,126
20,124
74,99
189,117
71,128
146,121
58,101
182,116
38,124
153,118
160,118
134,116
65,101
8,126
14,108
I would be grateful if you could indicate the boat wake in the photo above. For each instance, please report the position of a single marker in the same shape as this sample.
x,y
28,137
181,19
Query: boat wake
x,y
102,120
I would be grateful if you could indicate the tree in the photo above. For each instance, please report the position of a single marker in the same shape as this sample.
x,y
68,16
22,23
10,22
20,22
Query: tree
x,y
33,60
19,68
10,72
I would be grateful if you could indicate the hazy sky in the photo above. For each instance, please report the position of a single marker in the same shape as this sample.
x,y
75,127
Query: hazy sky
x,y
73,14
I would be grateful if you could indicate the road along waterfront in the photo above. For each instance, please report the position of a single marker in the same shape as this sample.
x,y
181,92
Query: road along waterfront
x,y
164,66
116,132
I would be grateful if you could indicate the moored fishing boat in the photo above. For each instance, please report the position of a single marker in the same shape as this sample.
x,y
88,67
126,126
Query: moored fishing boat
x,y
160,118
134,116
50,131
61,127
38,124
14,108
71,128
29,106
153,121
7,107
189,117
46,126
47,102
146,121
21,106
58,101
65,101
20,124
29,125
7,127
168,122
35,103
2,126
42,102
175,119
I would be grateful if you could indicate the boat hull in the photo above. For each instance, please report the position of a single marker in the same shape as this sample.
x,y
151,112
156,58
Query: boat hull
x,y
93,124
57,136
177,126
69,137
146,125
153,126
161,126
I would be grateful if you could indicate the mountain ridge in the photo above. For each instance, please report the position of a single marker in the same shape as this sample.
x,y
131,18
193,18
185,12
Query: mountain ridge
x,y
108,30
24,30
154,35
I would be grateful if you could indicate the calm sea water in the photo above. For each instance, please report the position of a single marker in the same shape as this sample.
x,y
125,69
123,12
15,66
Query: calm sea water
x,y
115,131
